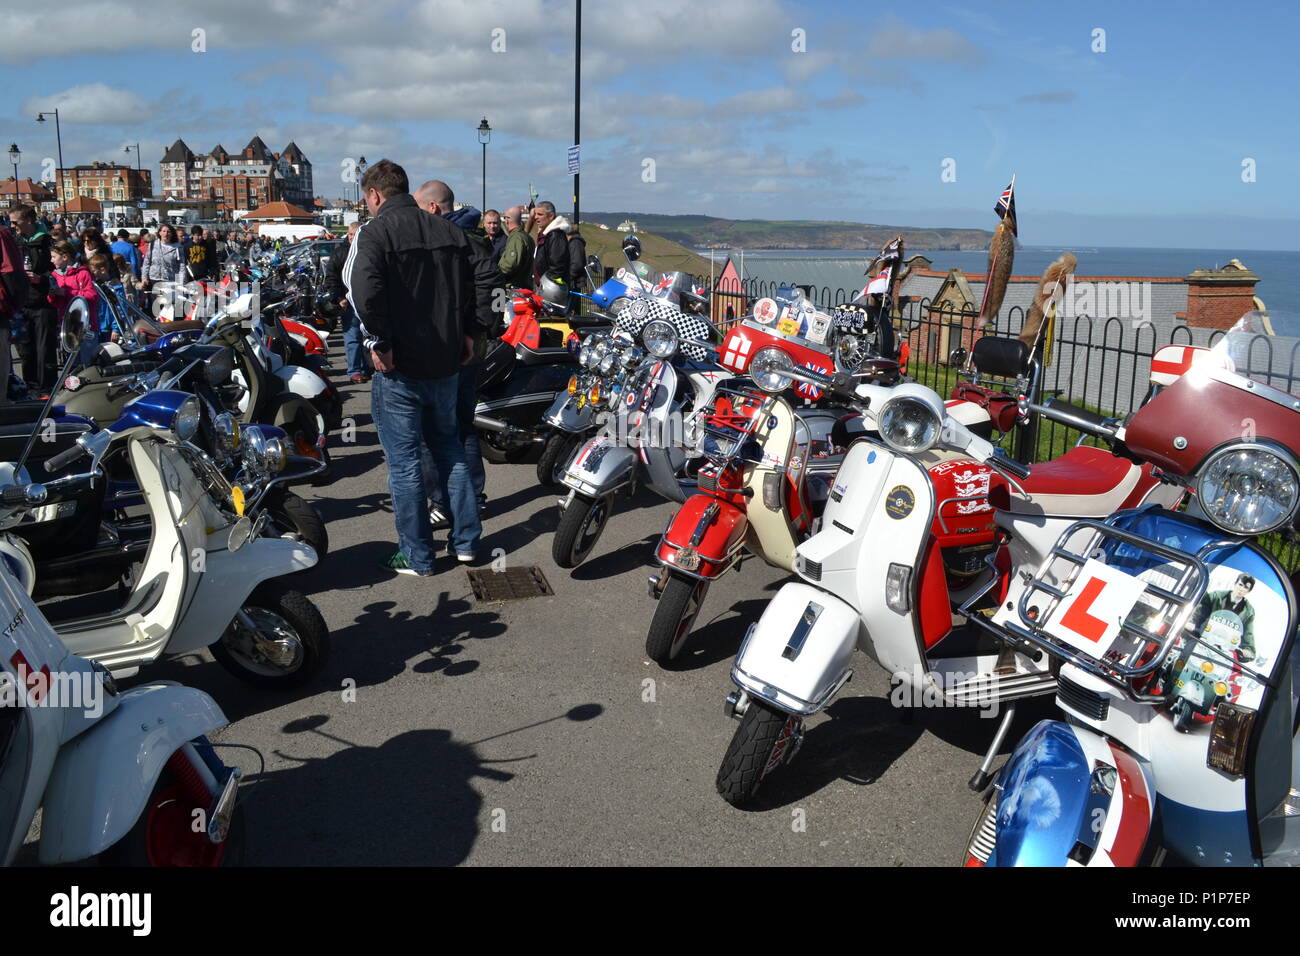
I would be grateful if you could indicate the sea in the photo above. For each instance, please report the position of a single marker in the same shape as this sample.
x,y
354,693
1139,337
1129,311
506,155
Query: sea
x,y
1278,287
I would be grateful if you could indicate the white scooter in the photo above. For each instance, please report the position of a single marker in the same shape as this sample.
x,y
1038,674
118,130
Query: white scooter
x,y
209,577
877,577
128,777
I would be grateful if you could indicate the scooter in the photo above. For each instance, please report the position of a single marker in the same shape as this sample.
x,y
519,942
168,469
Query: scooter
x,y
906,523
1173,633
192,590
72,747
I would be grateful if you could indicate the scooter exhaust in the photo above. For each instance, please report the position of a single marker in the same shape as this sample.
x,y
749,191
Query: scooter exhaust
x,y
510,431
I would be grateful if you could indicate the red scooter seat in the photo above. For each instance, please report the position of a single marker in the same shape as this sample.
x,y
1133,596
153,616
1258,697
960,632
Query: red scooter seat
x,y
1084,482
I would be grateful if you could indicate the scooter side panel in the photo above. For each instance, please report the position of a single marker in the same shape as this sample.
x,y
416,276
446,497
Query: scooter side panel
x,y
719,538
103,778
600,467
301,381
1071,798
228,579
798,653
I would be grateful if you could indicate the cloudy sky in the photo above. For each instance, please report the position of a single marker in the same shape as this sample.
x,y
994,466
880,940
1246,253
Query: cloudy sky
x,y
1126,123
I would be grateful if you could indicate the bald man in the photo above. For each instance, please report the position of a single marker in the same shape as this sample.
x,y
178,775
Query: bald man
x,y
516,260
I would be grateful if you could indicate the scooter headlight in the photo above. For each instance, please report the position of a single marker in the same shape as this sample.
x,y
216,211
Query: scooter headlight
x,y
274,457
911,420
254,448
632,356
607,363
186,422
594,395
586,356
1249,488
226,432
660,338
770,369
573,384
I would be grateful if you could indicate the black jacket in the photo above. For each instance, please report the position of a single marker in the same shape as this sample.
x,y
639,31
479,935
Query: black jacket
x,y
334,288
410,278
552,256
35,250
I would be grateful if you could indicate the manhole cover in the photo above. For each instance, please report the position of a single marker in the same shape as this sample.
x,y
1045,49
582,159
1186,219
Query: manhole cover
x,y
513,584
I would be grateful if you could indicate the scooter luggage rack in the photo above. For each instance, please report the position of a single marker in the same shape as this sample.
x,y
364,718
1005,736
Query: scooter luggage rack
x,y
730,430
1167,608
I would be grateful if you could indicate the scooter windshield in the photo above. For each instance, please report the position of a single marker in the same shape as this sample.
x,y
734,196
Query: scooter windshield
x,y
1264,346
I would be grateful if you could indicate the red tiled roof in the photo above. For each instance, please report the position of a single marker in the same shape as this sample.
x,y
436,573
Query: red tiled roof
x,y
280,210
25,187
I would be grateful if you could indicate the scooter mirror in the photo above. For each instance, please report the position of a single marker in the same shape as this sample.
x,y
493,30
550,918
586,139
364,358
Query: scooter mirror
x,y
74,324
632,248
593,263
240,532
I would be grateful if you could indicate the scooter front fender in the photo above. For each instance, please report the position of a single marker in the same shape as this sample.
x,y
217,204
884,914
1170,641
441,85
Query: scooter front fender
x,y
797,656
228,579
565,415
600,467
1068,796
102,778
709,526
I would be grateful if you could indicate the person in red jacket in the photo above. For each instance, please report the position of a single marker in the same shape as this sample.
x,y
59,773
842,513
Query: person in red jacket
x,y
70,280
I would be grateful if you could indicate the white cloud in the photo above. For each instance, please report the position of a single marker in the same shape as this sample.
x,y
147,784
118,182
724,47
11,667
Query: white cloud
x,y
92,103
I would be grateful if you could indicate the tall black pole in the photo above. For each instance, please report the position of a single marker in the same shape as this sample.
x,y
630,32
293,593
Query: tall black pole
x,y
577,104
484,206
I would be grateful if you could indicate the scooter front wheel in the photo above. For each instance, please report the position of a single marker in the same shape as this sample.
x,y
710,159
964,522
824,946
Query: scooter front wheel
x,y
294,516
679,605
164,834
580,528
765,739
278,639
555,456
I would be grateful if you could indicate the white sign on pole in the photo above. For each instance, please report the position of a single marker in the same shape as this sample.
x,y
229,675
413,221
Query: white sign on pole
x,y
574,162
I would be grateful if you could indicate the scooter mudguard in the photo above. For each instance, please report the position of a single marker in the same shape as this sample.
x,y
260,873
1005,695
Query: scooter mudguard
x,y
797,656
600,467
102,778
228,579
1070,797
712,528
301,381
565,415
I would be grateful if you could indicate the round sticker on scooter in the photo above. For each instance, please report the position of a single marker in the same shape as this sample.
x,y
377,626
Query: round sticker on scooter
x,y
766,311
900,501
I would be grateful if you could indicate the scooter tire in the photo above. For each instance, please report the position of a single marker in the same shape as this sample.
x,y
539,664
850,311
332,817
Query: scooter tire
x,y
294,515
760,744
675,615
301,615
555,456
152,842
581,526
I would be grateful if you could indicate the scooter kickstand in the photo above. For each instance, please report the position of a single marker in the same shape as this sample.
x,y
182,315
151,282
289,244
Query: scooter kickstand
x,y
982,775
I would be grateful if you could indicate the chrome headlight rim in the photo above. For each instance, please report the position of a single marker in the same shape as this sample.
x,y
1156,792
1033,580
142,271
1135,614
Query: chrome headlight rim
x,y
887,422
606,365
659,338
586,355
226,435
770,369
632,355
1205,496
254,442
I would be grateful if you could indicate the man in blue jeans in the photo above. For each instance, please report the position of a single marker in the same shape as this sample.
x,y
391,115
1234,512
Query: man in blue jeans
x,y
410,279
358,371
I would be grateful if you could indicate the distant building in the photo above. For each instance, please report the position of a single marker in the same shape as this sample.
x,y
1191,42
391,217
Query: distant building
x,y
251,177
24,193
104,181
627,225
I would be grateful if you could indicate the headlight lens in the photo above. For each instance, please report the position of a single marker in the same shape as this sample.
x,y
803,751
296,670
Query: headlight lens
x,y
660,338
274,457
770,369
226,431
909,425
607,363
187,418
254,448
1249,490
632,356
594,395
573,384
586,355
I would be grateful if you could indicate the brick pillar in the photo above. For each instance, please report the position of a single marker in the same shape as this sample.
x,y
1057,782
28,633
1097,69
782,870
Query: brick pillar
x,y
1216,298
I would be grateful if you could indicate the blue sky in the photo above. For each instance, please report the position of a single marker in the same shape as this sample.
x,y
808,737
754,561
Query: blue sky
x,y
1142,144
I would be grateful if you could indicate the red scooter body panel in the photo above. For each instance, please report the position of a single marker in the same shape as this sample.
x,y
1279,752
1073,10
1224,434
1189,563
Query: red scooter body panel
x,y
722,535
934,607
524,328
744,340
313,343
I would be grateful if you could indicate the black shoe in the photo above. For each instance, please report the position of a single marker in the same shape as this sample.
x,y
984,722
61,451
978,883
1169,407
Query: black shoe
x,y
482,504
438,518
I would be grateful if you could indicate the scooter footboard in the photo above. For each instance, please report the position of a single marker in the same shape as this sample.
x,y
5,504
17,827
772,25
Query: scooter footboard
x,y
600,467
1068,797
797,656
102,778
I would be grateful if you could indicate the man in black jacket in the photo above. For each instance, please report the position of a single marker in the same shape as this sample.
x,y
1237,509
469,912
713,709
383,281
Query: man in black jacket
x,y
358,372
552,255
40,349
410,278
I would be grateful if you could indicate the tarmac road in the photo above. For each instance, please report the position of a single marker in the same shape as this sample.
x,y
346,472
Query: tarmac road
x,y
537,732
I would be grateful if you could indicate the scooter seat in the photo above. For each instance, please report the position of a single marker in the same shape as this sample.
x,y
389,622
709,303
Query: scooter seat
x,y
529,357
1085,482
21,413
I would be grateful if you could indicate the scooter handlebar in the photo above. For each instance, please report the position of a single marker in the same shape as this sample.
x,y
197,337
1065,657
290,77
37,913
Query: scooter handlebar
x,y
64,458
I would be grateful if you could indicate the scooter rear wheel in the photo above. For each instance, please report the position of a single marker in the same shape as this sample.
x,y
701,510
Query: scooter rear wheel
x,y
679,605
765,739
580,528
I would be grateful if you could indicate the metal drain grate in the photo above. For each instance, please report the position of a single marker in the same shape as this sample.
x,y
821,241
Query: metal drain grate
x,y
513,584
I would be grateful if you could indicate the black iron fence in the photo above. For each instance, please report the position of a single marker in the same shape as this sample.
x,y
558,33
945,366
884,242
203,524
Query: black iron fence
x,y
1103,364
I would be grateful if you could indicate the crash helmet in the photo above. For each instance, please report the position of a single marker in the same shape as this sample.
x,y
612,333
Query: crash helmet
x,y
555,293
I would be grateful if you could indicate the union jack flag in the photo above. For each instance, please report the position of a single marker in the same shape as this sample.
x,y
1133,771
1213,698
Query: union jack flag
x,y
1005,207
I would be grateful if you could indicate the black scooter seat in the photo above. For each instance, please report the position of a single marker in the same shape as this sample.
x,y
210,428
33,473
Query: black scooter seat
x,y
530,357
25,413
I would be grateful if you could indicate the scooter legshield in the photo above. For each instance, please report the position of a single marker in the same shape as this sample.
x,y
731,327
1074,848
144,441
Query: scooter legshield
x,y
103,777
797,656
600,467
1070,797
715,536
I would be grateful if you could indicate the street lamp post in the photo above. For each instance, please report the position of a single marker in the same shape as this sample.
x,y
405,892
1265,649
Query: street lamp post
x,y
139,173
58,136
484,136
15,154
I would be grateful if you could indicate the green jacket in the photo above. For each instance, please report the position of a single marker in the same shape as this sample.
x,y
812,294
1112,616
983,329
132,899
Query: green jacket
x,y
516,262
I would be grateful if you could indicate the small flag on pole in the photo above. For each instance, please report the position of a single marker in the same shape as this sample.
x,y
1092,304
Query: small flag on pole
x,y
880,284
1005,207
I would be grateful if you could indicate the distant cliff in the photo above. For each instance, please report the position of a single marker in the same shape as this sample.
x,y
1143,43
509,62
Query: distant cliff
x,y
708,231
